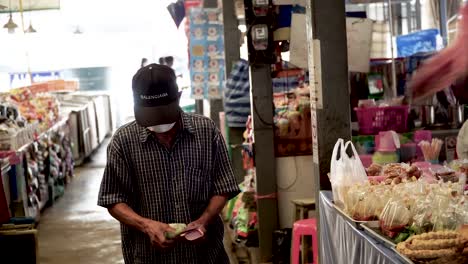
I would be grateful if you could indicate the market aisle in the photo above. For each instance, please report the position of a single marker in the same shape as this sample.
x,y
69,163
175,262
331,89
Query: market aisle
x,y
75,229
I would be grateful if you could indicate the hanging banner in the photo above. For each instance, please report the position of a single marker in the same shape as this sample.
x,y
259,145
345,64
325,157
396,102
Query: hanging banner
x,y
207,63
21,79
359,39
298,44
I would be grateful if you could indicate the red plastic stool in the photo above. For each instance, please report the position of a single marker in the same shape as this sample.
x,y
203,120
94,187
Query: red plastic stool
x,y
306,227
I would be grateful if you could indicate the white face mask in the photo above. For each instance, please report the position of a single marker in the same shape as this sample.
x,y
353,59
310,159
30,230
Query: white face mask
x,y
162,128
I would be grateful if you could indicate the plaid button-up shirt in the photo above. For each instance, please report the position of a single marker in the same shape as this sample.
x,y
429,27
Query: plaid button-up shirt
x,y
169,185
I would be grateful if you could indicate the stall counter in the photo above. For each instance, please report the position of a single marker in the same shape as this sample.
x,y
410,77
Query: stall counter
x,y
342,242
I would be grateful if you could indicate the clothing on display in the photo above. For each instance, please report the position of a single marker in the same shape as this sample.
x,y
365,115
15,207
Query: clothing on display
x,y
237,95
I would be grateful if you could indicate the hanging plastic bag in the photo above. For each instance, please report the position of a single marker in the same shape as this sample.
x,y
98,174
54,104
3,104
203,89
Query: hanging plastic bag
x,y
345,171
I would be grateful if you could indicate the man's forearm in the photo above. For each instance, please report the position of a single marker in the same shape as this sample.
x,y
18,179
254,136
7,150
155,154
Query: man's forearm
x,y
124,214
214,208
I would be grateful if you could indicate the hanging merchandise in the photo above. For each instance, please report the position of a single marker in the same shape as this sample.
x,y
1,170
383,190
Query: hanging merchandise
x,y
292,119
207,64
177,11
237,95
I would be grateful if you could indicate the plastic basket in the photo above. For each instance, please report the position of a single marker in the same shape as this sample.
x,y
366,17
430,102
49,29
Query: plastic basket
x,y
373,120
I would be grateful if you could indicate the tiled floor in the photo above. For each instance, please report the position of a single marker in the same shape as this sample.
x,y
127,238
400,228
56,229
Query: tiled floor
x,y
75,229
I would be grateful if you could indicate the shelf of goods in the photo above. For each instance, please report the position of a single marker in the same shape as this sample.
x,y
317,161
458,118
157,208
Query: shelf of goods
x,y
91,121
41,135
292,118
410,150
39,171
400,213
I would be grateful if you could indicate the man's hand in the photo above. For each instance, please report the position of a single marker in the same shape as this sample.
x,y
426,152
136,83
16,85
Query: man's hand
x,y
157,233
200,225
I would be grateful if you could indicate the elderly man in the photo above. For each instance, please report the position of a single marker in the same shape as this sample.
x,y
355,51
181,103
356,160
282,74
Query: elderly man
x,y
167,167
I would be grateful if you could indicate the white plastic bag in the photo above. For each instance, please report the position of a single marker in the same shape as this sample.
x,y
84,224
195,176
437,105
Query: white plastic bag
x,y
345,171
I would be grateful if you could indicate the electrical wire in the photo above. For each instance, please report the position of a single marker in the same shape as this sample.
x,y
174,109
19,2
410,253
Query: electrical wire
x,y
256,113
295,178
265,54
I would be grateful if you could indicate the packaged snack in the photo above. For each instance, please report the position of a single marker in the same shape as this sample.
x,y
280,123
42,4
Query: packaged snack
x,y
394,217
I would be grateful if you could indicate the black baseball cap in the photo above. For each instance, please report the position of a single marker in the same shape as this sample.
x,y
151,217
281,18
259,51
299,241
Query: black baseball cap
x,y
155,96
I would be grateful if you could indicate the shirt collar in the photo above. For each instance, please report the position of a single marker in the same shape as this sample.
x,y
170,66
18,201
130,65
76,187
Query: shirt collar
x,y
185,122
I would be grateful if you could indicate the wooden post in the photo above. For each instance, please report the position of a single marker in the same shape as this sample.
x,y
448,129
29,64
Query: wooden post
x,y
231,35
261,89
262,112
328,68
232,55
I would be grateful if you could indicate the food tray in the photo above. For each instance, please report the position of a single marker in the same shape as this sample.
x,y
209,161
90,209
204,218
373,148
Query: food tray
x,y
402,257
348,218
373,230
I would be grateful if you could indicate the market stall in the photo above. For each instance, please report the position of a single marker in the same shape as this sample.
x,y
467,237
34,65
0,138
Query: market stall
x,y
396,212
44,129
346,242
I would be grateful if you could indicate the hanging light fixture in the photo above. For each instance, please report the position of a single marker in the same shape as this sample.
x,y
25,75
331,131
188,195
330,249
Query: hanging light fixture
x,y
30,29
10,25
77,30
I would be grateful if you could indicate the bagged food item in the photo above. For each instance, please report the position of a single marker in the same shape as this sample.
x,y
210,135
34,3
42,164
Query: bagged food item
x,y
365,202
345,171
459,165
360,203
396,173
445,174
443,208
394,217
374,170
464,166
383,194
422,214
447,213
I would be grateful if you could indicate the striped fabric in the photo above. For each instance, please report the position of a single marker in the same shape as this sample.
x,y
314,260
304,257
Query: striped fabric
x,y
237,95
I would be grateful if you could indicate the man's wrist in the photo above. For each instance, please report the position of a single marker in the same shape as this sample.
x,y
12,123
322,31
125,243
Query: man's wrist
x,y
144,224
203,220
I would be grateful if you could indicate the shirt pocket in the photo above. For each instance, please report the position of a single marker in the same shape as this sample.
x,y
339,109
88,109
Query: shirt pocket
x,y
197,185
